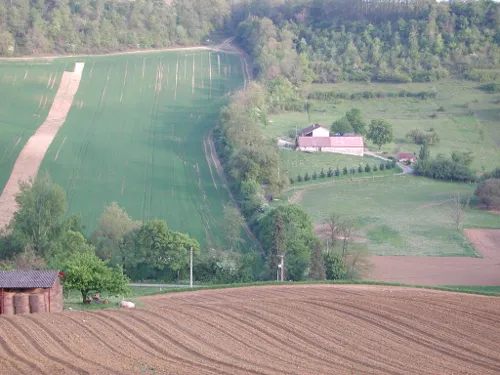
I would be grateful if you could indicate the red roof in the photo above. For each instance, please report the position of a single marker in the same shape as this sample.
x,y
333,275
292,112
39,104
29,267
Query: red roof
x,y
406,155
353,142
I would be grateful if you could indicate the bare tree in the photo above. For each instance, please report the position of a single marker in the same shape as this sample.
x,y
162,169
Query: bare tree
x,y
358,263
333,223
28,260
346,232
458,210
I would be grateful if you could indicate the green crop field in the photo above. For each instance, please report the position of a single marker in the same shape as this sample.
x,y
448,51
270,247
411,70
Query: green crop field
x,y
137,134
469,119
27,90
399,215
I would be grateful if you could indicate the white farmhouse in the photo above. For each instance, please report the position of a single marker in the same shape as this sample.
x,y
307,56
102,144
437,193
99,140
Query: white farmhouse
x,y
316,138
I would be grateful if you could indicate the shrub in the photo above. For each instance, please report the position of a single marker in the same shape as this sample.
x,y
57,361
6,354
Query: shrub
x,y
441,109
291,181
367,168
491,88
352,170
441,168
375,169
489,193
393,164
306,177
382,166
360,169
314,175
299,178
337,172
345,171
388,165
419,137
434,115
322,173
330,172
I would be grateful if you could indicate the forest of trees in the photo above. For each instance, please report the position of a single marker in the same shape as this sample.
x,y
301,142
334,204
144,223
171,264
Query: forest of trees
x,y
31,27
330,41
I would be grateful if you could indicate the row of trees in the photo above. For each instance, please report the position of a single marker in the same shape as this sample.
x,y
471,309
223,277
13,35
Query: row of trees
x,y
345,171
41,235
370,94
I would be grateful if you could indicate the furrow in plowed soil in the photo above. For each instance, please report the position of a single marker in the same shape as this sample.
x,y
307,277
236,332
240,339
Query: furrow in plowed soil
x,y
287,329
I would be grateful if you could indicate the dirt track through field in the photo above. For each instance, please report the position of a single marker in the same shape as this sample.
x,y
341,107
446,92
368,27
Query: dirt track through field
x,y
483,271
32,154
303,329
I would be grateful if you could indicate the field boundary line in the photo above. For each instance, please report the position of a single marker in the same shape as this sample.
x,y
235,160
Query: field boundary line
x,y
31,156
133,52
220,171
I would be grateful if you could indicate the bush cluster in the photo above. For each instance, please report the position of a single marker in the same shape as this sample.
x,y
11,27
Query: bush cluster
x,y
330,95
491,88
481,75
419,137
330,173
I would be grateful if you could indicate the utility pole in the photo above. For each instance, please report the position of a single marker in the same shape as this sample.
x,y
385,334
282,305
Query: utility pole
x,y
191,267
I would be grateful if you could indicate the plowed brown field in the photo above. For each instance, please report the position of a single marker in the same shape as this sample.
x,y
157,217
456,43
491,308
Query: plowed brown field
x,y
305,329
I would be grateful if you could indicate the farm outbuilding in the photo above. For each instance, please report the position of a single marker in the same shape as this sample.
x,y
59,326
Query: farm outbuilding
x,y
25,292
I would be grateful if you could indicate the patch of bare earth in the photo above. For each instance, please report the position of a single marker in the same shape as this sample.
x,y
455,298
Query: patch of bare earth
x,y
446,270
294,330
32,154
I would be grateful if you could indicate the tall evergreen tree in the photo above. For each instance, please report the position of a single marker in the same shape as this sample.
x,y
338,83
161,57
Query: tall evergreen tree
x,y
424,153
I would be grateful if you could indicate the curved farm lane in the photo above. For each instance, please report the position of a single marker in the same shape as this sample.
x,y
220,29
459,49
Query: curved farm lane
x,y
483,271
287,329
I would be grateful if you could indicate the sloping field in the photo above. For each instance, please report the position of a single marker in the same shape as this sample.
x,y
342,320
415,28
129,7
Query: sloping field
x,y
31,156
400,215
137,134
27,90
265,330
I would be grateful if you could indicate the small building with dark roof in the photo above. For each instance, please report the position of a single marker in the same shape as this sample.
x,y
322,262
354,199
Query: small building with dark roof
x,y
30,291
315,130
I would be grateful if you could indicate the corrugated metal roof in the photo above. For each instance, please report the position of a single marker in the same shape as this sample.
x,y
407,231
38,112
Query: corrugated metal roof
x,y
28,279
331,142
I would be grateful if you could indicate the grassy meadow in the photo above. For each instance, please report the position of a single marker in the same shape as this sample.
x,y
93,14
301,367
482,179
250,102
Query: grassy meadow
x,y
467,121
27,90
295,162
136,134
399,215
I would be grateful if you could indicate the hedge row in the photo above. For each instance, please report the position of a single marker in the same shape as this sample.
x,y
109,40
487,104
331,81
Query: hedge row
x,y
330,95
345,171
